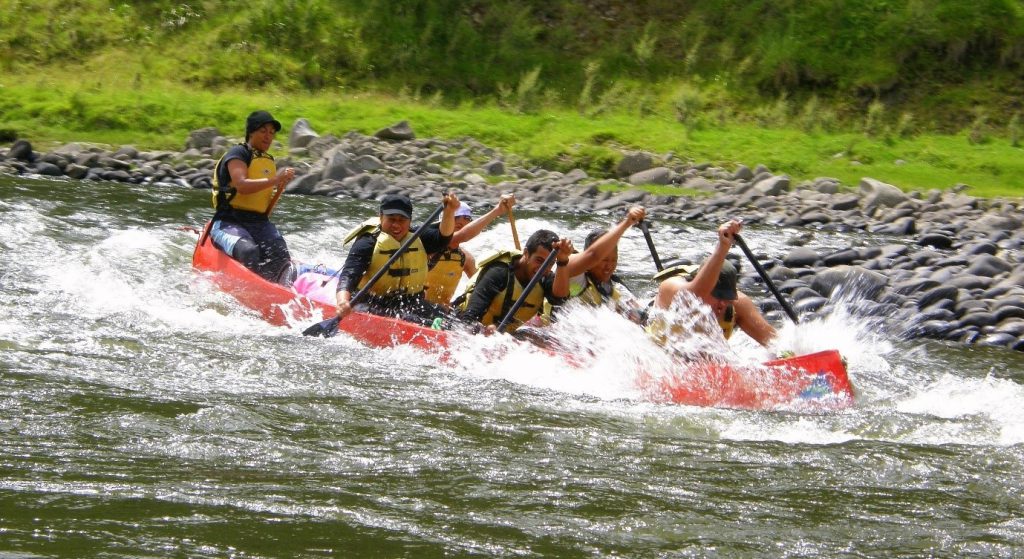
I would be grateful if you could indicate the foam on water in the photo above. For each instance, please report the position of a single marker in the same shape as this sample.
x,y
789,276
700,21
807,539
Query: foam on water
x,y
141,279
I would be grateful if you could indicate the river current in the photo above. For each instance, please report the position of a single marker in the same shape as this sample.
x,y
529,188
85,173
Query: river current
x,y
145,413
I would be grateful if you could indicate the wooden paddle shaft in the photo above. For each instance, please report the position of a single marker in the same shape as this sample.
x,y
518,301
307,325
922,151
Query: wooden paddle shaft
x,y
515,232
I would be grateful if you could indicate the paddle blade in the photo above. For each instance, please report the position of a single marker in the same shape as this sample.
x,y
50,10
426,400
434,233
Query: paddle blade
x,y
326,328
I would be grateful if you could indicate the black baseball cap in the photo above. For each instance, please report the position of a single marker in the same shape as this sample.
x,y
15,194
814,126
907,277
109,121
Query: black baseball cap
x,y
725,289
396,204
258,119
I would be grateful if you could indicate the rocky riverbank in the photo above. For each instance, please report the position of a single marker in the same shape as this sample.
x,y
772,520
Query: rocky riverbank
x,y
954,270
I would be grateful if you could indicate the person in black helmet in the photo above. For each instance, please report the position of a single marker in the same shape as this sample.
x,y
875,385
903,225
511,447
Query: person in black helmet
x,y
246,184
714,284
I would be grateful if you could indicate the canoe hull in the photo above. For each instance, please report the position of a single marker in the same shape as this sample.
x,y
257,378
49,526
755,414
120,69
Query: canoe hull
x,y
812,380
281,306
818,379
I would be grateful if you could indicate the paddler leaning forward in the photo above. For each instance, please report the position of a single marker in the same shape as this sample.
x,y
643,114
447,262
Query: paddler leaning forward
x,y
502,277
714,284
399,292
592,272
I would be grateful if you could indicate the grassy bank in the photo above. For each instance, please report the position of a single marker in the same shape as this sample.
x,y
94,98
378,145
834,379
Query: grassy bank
x,y
73,106
938,65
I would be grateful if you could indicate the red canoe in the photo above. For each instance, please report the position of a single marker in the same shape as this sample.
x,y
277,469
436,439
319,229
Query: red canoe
x,y
817,378
280,305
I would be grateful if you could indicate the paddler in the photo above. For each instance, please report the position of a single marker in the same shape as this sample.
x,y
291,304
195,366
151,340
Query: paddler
x,y
399,292
246,184
448,266
500,281
592,272
714,284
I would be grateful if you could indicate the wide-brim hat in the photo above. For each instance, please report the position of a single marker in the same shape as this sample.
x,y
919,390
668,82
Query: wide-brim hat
x,y
464,210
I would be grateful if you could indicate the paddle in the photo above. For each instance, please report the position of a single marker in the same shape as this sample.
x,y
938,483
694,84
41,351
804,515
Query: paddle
x,y
273,201
329,327
650,244
515,233
526,291
767,280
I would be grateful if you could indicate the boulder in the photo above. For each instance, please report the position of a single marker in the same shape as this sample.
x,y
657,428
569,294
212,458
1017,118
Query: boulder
x,y
201,138
935,240
48,169
494,168
21,150
657,175
302,134
633,163
800,257
399,132
572,177
988,266
850,279
621,200
847,256
126,153
304,184
772,186
337,165
877,194
742,173
845,202
993,222
366,163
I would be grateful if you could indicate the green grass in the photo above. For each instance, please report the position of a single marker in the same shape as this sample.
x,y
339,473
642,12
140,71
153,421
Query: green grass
x,y
74,106
657,189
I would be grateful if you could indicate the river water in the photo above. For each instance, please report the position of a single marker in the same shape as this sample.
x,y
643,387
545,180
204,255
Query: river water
x,y
144,413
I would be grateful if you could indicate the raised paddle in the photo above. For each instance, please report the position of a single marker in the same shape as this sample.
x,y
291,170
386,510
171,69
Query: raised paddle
x,y
767,280
650,244
329,327
515,233
526,291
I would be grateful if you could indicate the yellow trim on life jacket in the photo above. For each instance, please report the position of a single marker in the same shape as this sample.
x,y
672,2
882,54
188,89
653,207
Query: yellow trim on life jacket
x,y
728,321
585,292
659,330
531,307
261,167
592,296
444,275
686,269
368,227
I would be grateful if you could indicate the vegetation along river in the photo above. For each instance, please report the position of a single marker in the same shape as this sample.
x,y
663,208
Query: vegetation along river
x,y
145,413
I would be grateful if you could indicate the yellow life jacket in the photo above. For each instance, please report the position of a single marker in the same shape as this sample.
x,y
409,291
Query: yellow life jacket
x,y
262,166
659,330
728,321
503,302
589,293
444,275
407,275
586,292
